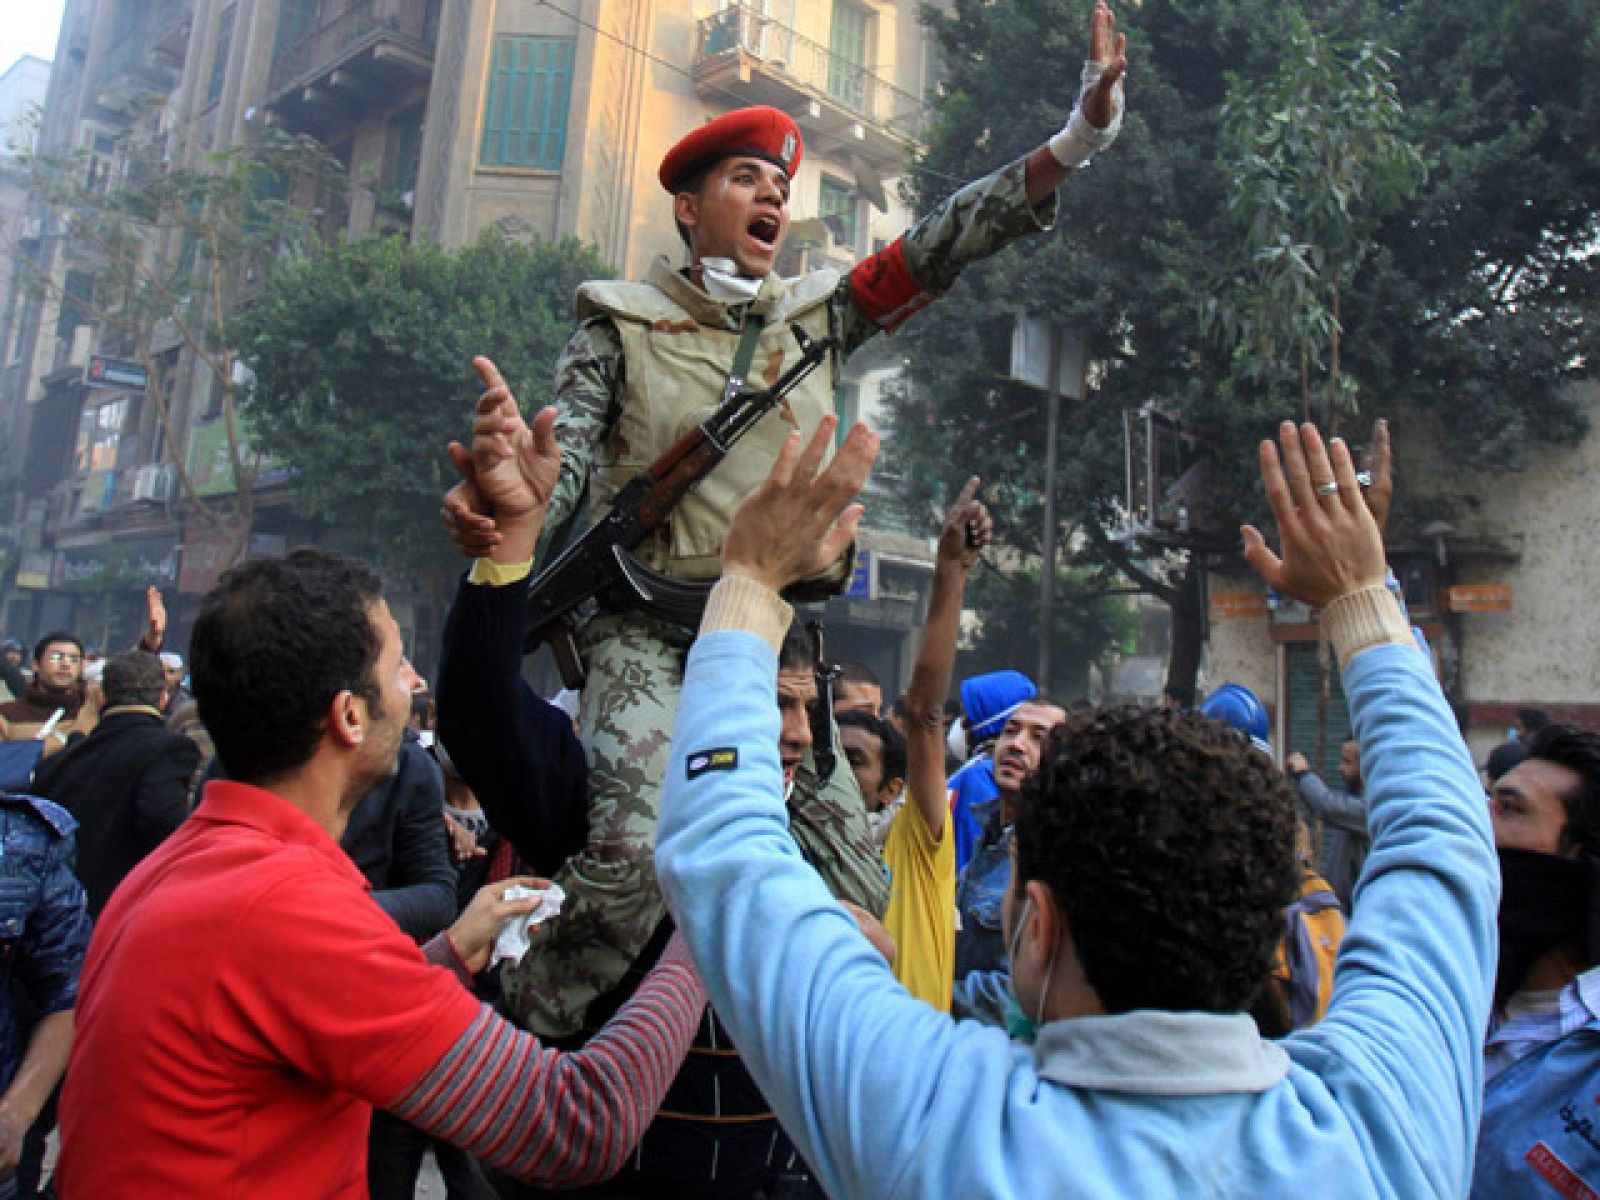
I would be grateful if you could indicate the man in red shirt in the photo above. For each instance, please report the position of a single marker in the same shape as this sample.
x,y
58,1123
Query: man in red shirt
x,y
245,1003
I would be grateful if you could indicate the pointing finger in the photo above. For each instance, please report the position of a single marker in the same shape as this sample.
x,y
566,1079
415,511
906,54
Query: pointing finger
x,y
488,372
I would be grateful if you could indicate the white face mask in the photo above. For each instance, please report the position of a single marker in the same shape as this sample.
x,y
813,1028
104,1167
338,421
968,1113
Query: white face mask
x,y
723,281
956,740
1019,1024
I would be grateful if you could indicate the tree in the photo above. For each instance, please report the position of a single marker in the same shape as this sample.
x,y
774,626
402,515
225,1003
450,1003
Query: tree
x,y
1088,626
1469,301
1313,156
157,256
363,373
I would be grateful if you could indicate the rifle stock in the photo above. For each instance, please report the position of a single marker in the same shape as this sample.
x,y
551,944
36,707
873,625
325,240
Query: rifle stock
x,y
599,568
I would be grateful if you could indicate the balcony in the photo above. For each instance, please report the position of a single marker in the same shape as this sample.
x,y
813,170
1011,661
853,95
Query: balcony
x,y
843,108
361,58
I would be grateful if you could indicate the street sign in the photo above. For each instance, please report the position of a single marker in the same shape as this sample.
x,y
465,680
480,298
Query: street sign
x,y
1238,605
864,579
1478,598
116,372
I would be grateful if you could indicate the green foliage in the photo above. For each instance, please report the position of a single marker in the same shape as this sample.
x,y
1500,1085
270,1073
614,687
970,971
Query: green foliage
x,y
1469,303
363,372
1088,626
165,247
1313,156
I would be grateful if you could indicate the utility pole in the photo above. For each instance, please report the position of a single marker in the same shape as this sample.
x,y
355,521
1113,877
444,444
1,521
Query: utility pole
x,y
1047,543
1046,355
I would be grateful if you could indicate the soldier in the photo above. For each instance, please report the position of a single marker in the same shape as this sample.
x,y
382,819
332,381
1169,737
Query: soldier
x,y
647,362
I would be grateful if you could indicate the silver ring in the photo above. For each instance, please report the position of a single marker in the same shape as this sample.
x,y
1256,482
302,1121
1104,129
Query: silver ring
x,y
1326,489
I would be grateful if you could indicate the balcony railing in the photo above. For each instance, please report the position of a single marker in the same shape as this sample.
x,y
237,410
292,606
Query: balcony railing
x,y
741,30
363,24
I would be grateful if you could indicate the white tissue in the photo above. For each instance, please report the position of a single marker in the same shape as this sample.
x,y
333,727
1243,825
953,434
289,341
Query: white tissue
x,y
512,941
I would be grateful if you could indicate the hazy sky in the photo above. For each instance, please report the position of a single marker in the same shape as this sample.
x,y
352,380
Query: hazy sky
x,y
29,27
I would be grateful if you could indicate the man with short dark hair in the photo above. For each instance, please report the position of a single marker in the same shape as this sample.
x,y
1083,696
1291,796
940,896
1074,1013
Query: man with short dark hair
x,y
278,1004
1542,1056
1342,814
856,689
127,783
876,752
57,687
1527,722
1155,854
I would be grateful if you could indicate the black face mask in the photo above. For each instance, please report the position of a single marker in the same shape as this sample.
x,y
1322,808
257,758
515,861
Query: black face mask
x,y
1545,902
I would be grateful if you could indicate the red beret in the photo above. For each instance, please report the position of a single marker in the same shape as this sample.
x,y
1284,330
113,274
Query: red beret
x,y
760,132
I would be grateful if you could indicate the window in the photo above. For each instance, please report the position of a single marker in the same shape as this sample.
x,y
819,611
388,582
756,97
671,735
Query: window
x,y
77,292
525,118
403,152
99,433
296,20
839,209
847,46
219,60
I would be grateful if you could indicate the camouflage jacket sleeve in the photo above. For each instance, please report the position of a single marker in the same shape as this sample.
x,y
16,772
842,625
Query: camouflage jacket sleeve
x,y
588,396
829,822
981,219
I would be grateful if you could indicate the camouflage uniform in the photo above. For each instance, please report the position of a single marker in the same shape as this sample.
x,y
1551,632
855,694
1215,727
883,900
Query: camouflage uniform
x,y
635,664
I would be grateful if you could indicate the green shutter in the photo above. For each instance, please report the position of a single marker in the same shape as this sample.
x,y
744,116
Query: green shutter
x,y
1304,684
296,21
847,43
525,116
836,204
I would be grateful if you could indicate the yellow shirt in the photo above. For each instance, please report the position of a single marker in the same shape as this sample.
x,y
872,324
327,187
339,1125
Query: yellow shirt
x,y
922,905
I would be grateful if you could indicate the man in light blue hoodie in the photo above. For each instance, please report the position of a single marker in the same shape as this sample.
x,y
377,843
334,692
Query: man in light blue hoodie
x,y
1146,1077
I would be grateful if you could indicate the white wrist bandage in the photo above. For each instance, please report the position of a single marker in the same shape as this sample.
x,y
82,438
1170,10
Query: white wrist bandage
x,y
1079,140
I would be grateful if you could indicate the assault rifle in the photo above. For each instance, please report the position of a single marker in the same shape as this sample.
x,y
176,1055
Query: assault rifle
x,y
599,569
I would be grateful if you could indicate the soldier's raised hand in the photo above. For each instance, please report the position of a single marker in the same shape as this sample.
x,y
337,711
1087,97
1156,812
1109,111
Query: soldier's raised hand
x,y
1108,55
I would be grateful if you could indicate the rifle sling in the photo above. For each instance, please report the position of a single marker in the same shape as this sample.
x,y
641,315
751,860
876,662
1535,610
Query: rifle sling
x,y
746,351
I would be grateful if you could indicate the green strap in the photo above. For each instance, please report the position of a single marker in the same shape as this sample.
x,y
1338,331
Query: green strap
x,y
748,337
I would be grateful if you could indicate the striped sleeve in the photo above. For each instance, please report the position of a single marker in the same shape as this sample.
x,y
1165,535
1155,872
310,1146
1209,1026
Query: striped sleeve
x,y
562,1119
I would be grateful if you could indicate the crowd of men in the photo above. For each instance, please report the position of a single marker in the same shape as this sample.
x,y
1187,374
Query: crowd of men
x,y
714,936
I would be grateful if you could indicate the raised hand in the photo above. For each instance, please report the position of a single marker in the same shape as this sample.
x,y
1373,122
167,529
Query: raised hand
x,y
155,620
507,477
968,528
800,519
515,465
1331,544
1108,49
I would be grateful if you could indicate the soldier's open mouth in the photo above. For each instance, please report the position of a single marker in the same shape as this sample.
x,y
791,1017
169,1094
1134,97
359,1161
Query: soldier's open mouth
x,y
764,229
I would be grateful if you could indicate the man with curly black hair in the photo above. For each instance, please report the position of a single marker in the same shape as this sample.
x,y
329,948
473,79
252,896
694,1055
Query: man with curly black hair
x,y
1122,826
1155,854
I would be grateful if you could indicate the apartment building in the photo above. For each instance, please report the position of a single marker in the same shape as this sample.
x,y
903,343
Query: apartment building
x,y
542,118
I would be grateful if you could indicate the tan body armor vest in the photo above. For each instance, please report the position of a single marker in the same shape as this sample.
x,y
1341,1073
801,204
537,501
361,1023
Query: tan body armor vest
x,y
677,351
